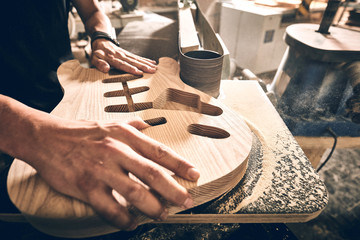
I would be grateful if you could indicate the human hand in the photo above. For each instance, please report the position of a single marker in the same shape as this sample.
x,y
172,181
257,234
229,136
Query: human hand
x,y
105,54
87,160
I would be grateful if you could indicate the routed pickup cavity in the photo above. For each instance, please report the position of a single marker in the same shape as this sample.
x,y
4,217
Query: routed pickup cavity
x,y
185,101
156,121
121,78
207,131
120,93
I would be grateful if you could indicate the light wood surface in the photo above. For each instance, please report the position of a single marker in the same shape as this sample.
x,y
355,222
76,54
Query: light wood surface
x,y
315,147
239,218
328,142
280,185
202,129
189,40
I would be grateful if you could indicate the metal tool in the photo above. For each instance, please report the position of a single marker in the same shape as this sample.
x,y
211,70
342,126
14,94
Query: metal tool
x,y
317,83
128,5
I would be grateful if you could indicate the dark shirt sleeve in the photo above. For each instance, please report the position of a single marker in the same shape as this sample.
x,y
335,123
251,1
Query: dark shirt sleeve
x,y
35,41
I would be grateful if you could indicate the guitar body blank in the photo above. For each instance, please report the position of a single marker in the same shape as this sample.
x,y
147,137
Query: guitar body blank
x,y
198,127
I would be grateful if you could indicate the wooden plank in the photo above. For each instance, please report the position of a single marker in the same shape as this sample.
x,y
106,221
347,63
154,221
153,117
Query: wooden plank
x,y
189,40
314,155
328,142
239,218
287,180
315,147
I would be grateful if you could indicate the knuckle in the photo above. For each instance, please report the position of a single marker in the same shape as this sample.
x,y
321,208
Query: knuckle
x,y
153,174
121,54
112,214
104,144
110,51
181,166
125,129
120,63
86,183
98,131
115,215
161,151
135,193
120,126
121,219
98,53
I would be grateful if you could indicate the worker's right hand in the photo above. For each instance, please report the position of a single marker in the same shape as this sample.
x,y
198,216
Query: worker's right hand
x,y
88,160
92,159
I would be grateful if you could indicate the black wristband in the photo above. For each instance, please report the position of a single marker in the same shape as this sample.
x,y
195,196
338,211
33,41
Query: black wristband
x,y
103,35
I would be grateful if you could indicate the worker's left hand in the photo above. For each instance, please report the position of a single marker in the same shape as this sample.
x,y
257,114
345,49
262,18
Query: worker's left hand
x,y
105,54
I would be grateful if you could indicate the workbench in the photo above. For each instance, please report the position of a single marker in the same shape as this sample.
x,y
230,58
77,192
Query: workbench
x,y
280,184
315,148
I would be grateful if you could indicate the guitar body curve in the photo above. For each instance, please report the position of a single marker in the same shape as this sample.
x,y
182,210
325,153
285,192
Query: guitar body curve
x,y
198,127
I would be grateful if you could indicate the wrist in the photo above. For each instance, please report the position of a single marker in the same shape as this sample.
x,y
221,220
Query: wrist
x,y
103,35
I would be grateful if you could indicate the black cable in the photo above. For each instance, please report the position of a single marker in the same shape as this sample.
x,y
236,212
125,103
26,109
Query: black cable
x,y
333,134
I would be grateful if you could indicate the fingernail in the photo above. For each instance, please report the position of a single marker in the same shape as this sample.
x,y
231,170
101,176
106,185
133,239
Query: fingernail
x,y
164,215
188,203
193,173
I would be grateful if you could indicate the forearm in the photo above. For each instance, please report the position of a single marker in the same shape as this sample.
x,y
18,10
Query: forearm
x,y
20,126
15,127
88,160
93,18
106,53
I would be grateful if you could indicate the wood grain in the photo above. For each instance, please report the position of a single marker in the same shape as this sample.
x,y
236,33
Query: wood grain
x,y
240,218
221,156
279,185
315,147
189,40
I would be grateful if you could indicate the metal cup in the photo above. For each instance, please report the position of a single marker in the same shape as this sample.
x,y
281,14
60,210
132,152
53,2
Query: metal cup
x,y
202,69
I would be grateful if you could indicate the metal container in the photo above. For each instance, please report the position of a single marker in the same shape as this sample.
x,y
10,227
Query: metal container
x,y
202,70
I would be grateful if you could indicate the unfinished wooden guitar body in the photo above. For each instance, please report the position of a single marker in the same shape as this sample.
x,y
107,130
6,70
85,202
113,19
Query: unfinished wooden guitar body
x,y
198,127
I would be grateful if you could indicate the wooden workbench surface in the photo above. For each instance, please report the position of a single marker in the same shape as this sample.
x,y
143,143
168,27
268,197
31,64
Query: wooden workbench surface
x,y
287,183
280,184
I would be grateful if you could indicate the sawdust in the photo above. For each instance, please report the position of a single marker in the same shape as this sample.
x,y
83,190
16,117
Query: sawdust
x,y
265,177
